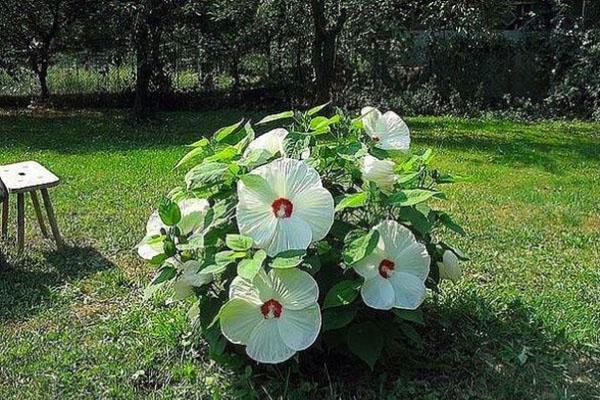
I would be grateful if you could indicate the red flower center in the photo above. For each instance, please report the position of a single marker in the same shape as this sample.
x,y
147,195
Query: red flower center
x,y
282,208
386,267
271,309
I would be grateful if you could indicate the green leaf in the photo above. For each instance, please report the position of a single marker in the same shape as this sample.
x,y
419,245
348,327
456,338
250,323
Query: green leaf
x,y
418,217
164,274
206,173
312,264
337,318
352,201
256,183
228,256
295,143
409,315
341,294
213,269
365,340
222,133
275,117
200,150
288,259
223,155
411,197
426,156
407,177
255,158
357,248
450,224
169,212
158,259
316,109
238,242
248,268
321,125
200,143
447,178
412,334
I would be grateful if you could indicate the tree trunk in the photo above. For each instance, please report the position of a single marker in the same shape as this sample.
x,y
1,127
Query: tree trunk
x,y
142,105
324,48
42,74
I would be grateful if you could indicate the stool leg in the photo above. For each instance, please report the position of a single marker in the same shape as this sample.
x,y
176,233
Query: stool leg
x,y
51,218
4,232
20,222
38,213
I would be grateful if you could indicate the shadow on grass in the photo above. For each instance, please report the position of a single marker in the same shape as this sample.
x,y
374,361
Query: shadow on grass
x,y
512,143
28,285
472,348
97,131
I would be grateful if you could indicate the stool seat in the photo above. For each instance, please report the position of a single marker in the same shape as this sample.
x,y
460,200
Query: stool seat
x,y
26,177
19,179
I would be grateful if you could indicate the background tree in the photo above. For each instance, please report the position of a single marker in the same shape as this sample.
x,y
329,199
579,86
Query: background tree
x,y
327,25
34,31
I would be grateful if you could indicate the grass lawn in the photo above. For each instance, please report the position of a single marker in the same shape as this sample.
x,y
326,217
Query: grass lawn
x,y
523,323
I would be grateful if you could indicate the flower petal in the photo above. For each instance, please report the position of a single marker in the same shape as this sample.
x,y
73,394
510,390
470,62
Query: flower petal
x,y
295,288
396,136
256,292
154,224
290,234
315,206
149,251
259,224
300,328
371,116
271,141
449,268
266,345
238,319
379,171
192,215
400,244
368,266
409,290
414,260
378,293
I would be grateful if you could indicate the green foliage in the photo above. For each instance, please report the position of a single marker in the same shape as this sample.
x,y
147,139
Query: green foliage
x,y
65,312
341,294
336,146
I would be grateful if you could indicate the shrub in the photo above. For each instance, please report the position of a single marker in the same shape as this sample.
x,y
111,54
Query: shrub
x,y
323,228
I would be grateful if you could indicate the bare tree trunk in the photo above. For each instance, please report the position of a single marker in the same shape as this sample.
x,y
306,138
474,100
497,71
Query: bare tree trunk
x,y
142,104
324,48
42,74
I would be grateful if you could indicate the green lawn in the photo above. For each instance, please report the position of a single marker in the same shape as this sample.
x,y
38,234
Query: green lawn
x,y
523,323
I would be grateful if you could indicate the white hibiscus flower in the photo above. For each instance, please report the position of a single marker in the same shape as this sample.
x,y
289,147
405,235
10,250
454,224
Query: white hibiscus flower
x,y
289,211
449,268
192,218
379,171
271,141
388,131
274,316
396,271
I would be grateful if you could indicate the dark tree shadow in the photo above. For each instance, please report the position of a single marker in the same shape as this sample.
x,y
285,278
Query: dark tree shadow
x,y
513,143
471,348
28,284
97,131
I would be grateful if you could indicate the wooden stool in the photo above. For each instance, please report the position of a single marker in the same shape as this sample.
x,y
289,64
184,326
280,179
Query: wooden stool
x,y
28,177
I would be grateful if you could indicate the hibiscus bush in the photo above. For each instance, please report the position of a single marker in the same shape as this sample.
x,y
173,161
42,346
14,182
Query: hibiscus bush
x,y
319,233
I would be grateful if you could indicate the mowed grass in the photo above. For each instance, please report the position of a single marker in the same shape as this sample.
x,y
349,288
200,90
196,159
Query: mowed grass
x,y
523,323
